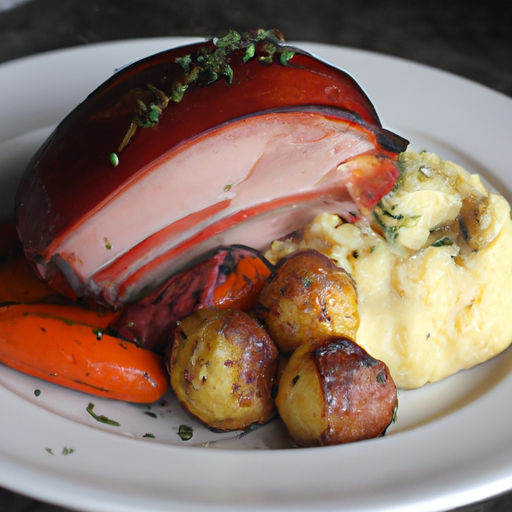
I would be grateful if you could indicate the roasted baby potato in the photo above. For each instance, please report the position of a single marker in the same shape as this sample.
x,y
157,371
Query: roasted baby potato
x,y
308,297
333,392
222,367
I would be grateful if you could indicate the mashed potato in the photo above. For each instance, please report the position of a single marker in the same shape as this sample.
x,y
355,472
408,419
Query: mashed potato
x,y
433,270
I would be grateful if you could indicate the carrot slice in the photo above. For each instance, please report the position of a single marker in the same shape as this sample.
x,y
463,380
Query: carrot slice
x,y
67,345
243,284
230,278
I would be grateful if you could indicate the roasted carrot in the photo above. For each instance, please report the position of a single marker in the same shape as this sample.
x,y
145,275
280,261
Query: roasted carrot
x,y
71,314
67,345
230,278
243,284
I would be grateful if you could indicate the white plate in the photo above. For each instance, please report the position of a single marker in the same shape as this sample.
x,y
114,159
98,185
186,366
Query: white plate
x,y
453,441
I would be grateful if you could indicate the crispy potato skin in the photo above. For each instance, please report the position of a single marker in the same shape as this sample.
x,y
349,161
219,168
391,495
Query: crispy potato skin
x,y
333,392
222,367
308,297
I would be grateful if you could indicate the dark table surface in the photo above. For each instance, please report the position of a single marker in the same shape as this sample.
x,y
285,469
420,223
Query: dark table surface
x,y
470,38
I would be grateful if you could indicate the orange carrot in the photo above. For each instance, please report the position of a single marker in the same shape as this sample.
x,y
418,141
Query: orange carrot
x,y
70,314
230,278
243,285
67,345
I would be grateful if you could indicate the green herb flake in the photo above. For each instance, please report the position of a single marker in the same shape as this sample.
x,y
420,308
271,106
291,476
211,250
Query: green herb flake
x,y
178,92
441,242
114,159
227,71
428,336
128,136
307,281
268,59
285,56
154,114
381,378
147,117
37,392
184,62
395,411
108,245
194,75
149,434
250,51
50,451
67,451
185,432
389,214
101,418
230,41
205,67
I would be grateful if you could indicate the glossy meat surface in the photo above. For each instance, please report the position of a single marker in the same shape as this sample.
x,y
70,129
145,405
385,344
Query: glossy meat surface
x,y
115,212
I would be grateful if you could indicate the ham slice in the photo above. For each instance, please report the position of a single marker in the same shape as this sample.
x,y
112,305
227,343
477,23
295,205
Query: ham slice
x,y
240,161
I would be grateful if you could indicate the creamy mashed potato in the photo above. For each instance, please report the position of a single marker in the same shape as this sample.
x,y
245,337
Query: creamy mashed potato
x,y
433,270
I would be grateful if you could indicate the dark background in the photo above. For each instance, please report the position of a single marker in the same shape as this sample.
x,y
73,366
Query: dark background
x,y
470,38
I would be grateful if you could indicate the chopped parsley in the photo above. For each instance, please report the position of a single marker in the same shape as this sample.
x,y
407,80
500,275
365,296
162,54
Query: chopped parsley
x,y
441,242
101,418
185,432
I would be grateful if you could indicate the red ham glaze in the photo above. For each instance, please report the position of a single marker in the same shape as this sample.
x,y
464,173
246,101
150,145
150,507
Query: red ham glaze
x,y
71,178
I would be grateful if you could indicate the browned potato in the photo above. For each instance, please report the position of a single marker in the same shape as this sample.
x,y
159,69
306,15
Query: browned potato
x,y
222,368
308,297
333,392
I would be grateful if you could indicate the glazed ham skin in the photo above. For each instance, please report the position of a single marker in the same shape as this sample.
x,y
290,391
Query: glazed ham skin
x,y
237,140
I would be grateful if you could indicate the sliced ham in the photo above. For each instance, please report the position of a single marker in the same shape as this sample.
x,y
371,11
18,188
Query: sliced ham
x,y
231,163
